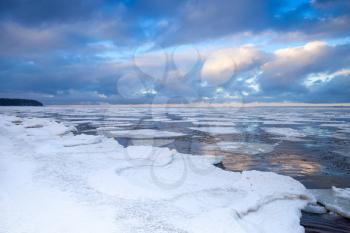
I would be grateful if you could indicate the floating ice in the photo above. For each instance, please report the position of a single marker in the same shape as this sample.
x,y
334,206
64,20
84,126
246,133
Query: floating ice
x,y
280,122
339,125
246,147
52,182
143,133
314,208
336,200
215,123
344,193
151,141
217,130
286,133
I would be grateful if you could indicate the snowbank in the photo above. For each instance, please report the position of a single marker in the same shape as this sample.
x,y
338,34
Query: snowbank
x,y
52,181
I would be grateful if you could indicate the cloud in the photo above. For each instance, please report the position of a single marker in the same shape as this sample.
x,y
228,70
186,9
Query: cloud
x,y
335,89
185,50
39,11
207,19
289,67
221,66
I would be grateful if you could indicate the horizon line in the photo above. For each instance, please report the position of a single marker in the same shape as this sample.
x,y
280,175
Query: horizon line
x,y
200,105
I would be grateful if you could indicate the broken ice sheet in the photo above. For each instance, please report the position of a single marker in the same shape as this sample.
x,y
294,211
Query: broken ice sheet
x,y
143,133
336,200
249,148
217,130
150,141
339,192
286,133
215,123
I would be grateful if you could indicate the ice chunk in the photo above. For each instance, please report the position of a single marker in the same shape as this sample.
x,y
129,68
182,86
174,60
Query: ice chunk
x,y
150,141
344,193
81,140
280,122
143,133
314,208
335,200
340,125
246,147
217,130
286,133
215,123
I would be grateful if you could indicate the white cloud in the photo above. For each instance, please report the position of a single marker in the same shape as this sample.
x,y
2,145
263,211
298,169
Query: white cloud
x,y
221,65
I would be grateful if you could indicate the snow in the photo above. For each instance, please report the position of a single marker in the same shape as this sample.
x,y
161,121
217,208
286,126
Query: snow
x,y
336,200
53,181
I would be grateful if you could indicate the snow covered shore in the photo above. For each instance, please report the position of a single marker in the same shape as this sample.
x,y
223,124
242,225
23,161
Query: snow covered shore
x,y
52,181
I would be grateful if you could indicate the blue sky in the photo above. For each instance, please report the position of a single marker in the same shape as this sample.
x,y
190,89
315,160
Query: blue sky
x,y
157,51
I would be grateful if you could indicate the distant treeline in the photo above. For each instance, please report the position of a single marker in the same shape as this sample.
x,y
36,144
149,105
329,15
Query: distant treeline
x,y
19,102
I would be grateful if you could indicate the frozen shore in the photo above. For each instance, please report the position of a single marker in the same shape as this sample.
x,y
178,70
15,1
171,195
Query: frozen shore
x,y
53,181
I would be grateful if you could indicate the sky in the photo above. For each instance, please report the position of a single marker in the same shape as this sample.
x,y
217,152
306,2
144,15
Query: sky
x,y
179,51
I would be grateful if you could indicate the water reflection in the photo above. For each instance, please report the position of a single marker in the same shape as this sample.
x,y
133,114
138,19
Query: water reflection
x,y
238,162
294,164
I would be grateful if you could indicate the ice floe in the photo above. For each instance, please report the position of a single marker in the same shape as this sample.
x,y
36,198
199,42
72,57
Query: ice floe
x,y
150,141
249,148
217,130
339,192
286,133
53,181
336,200
215,123
143,133
280,122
